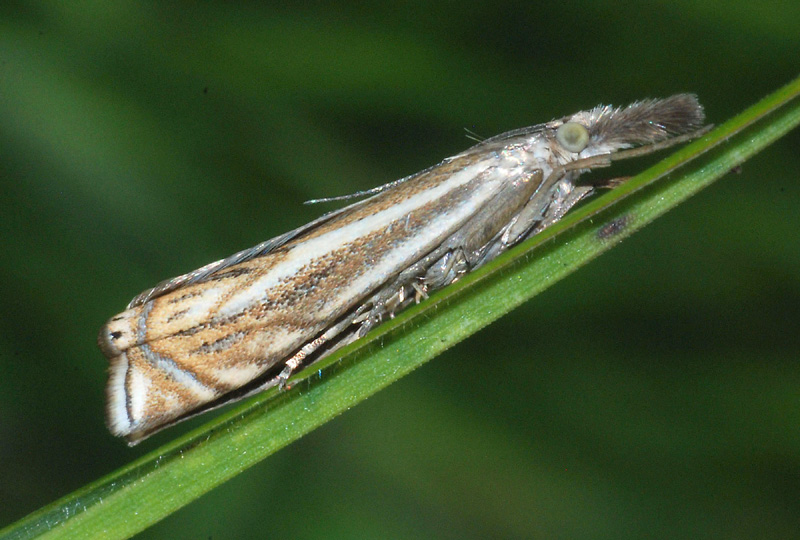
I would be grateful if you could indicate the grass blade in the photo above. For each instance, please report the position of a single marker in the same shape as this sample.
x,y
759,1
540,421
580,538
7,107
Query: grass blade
x,y
149,489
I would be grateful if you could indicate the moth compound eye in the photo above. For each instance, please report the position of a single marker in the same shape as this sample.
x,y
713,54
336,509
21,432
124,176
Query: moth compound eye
x,y
573,136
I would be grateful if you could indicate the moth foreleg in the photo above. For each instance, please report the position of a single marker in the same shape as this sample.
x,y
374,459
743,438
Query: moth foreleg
x,y
560,205
298,359
458,253
446,270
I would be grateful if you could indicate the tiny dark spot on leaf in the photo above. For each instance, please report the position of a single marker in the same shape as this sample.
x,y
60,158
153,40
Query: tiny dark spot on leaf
x,y
614,227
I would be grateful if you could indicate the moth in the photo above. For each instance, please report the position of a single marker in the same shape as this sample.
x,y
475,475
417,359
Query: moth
x,y
243,324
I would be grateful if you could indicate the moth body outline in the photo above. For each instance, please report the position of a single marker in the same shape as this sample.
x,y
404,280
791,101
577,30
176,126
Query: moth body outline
x,y
247,322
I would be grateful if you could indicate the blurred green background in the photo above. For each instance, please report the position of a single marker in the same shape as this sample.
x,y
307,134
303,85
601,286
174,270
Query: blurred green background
x,y
655,393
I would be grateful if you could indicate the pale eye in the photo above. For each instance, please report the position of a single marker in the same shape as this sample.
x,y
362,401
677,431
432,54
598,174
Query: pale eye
x,y
573,137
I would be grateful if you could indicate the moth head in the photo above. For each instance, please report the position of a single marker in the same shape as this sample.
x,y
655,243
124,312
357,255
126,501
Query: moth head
x,y
640,123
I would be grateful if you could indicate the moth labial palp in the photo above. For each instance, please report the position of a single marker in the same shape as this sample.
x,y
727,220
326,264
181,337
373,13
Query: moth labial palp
x,y
245,323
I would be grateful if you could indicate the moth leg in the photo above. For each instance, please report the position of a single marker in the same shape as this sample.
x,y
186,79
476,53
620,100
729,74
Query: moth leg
x,y
548,205
483,236
612,183
560,205
408,287
494,228
446,270
473,238
389,301
420,292
565,199
298,359
457,254
411,285
469,246
557,185
557,195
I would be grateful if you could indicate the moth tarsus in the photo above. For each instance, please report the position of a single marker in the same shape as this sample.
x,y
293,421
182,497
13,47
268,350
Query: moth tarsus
x,y
248,322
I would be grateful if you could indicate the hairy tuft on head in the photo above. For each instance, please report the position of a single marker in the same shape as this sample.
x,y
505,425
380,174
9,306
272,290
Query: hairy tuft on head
x,y
648,121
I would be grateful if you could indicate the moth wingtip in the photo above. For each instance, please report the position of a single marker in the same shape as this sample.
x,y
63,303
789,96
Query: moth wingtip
x,y
118,418
139,402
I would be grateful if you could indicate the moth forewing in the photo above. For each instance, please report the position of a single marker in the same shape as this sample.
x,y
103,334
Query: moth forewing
x,y
246,322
